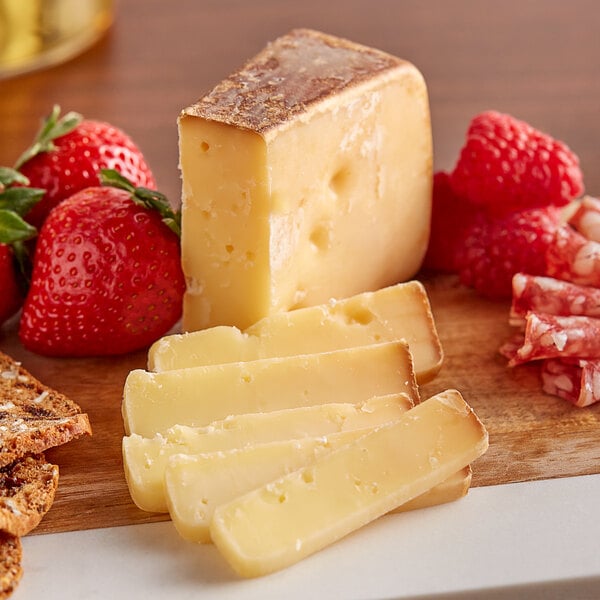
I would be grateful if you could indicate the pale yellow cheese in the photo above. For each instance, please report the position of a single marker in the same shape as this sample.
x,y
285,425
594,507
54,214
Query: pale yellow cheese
x,y
196,484
287,519
145,459
154,402
306,175
397,312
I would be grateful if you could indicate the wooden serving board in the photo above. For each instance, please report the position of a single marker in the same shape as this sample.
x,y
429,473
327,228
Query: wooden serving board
x,y
532,436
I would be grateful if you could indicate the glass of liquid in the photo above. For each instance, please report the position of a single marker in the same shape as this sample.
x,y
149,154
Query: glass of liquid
x,y
40,33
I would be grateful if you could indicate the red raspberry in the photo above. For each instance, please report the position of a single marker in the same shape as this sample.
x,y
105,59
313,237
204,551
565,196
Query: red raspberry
x,y
497,248
451,216
507,165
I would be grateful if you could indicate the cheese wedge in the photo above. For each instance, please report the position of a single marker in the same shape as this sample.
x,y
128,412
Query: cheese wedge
x,y
145,459
196,484
154,402
306,175
397,312
287,519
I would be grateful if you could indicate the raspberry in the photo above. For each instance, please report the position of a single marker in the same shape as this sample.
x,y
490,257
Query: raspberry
x,y
507,165
496,248
451,216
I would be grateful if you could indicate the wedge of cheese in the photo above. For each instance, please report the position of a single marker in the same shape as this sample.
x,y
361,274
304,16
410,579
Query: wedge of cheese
x,y
397,312
196,484
287,519
145,459
306,175
154,402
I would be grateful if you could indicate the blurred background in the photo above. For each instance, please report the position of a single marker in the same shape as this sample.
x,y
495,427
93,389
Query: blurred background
x,y
536,59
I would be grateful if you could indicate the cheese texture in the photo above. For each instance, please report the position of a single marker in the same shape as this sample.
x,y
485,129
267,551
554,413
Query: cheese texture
x,y
397,312
287,519
197,484
145,459
154,402
306,175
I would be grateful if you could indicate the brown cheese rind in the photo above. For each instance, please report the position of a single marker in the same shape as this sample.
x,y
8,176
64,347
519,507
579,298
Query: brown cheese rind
x,y
289,76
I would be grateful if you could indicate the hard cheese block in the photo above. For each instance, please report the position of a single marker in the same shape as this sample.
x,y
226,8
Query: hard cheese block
x,y
145,459
401,311
306,175
287,519
154,402
196,484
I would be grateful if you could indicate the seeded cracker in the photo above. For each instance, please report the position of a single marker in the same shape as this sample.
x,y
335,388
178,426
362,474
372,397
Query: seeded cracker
x,y
27,489
10,563
33,417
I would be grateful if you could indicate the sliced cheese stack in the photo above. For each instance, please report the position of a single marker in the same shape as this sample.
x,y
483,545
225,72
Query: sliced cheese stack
x,y
306,175
285,520
154,402
145,459
397,312
196,484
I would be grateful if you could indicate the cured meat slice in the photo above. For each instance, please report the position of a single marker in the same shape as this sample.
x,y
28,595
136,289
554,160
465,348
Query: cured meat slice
x,y
586,218
551,296
573,257
510,347
576,381
551,336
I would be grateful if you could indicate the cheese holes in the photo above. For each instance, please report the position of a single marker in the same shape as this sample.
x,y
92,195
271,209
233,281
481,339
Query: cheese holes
x,y
339,181
204,147
320,237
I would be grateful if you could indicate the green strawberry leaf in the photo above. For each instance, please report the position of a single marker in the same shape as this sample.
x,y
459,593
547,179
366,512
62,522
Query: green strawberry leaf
x,y
54,126
151,199
20,200
13,228
10,176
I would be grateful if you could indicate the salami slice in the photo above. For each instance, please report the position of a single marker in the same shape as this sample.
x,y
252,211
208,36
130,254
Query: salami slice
x,y
510,347
551,296
572,257
578,381
586,218
551,336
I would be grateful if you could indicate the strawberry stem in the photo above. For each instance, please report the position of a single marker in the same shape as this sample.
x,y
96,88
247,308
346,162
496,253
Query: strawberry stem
x,y
10,176
52,127
150,199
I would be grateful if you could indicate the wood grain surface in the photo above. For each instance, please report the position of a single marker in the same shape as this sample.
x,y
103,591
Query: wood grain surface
x,y
537,59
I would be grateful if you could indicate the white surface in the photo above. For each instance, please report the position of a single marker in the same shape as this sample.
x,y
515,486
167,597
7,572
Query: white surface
x,y
528,540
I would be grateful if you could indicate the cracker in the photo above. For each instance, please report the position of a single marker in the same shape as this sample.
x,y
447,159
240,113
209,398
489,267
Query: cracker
x,y
27,489
11,571
33,417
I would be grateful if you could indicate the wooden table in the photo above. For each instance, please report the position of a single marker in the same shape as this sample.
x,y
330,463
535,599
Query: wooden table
x,y
539,60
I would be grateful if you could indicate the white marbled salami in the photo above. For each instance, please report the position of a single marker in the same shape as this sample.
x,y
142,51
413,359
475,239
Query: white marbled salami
x,y
552,336
551,296
577,381
572,257
586,218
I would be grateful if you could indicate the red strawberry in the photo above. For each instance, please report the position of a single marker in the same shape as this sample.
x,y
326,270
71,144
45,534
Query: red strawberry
x,y
69,153
11,297
14,231
451,216
496,248
507,165
107,277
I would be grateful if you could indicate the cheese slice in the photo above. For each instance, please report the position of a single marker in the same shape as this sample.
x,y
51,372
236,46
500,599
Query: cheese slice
x,y
397,312
154,402
285,520
306,175
145,459
197,484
